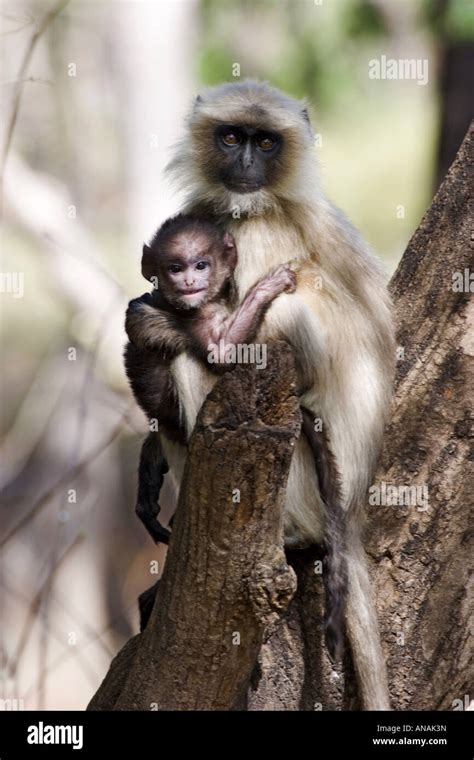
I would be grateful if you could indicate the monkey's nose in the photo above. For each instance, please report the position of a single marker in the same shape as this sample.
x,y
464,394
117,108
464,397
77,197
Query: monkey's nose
x,y
247,157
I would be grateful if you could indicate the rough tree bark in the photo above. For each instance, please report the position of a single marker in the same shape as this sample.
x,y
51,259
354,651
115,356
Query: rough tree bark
x,y
226,571
226,580
424,556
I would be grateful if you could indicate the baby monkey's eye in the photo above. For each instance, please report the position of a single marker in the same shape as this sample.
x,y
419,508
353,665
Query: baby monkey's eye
x,y
265,143
202,265
174,268
230,138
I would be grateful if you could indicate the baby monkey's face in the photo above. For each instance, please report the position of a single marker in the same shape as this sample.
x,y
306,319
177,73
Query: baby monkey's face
x,y
193,270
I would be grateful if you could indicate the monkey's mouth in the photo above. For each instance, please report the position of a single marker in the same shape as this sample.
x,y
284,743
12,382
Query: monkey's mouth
x,y
188,293
244,187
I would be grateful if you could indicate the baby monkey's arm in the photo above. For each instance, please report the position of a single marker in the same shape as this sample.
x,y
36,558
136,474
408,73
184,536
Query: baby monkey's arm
x,y
217,325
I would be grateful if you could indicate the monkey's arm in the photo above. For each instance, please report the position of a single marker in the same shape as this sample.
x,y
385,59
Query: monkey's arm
x,y
152,385
152,328
243,324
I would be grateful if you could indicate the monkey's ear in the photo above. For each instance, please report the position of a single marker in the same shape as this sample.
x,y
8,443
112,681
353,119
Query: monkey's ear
x,y
148,263
305,115
229,241
230,250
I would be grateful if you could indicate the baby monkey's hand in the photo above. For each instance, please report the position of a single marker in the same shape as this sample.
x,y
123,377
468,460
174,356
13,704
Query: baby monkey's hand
x,y
282,279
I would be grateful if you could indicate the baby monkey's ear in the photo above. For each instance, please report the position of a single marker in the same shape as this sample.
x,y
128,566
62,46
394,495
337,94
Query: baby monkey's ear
x,y
148,263
230,250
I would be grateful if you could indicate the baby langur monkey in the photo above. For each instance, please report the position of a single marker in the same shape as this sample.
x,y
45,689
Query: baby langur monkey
x,y
192,261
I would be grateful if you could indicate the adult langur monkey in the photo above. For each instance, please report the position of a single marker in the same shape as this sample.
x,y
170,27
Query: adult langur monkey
x,y
247,162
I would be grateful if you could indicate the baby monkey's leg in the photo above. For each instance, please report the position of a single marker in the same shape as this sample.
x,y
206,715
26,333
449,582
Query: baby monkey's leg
x,y
334,563
151,472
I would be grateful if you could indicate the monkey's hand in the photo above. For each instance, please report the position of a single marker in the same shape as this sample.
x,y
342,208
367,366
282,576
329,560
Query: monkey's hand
x,y
282,279
243,324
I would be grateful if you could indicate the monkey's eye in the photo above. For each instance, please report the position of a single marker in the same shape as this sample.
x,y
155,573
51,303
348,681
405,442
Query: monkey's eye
x,y
230,138
202,265
174,268
265,143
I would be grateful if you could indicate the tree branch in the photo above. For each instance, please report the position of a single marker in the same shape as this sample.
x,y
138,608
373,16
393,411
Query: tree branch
x,y
47,19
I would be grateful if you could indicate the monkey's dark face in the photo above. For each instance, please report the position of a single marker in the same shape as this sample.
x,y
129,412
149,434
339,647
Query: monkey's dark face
x,y
247,147
247,156
193,268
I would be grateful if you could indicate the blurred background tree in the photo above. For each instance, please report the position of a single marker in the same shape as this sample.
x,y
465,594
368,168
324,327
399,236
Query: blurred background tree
x,y
452,24
102,98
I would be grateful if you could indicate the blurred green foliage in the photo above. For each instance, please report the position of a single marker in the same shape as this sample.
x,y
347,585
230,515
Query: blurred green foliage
x,y
453,20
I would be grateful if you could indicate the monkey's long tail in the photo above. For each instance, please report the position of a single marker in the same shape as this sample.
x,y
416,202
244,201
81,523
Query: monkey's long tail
x,y
334,563
335,581
363,631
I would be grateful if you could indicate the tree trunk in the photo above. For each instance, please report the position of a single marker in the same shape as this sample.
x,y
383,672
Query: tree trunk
x,y
456,88
424,553
456,84
226,580
420,553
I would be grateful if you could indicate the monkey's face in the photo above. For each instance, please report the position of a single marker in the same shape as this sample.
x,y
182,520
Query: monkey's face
x,y
247,147
194,269
248,157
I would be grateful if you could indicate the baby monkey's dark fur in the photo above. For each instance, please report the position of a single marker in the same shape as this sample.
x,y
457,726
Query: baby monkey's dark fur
x,y
194,305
